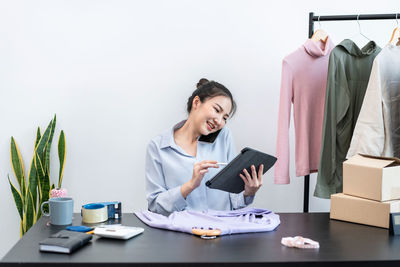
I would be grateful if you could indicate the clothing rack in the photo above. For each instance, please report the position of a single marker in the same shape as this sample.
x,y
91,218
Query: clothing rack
x,y
313,18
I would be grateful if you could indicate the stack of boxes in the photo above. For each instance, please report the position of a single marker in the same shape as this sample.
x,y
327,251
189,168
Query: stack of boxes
x,y
371,191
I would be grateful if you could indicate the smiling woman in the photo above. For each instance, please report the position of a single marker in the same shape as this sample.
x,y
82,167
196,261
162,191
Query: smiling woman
x,y
180,160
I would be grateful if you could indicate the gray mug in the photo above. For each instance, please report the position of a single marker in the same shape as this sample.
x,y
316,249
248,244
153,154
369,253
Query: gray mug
x,y
60,210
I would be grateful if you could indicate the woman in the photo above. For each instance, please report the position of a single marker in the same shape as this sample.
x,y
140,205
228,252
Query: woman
x,y
181,160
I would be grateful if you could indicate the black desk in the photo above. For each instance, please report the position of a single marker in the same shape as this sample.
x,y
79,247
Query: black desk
x,y
341,244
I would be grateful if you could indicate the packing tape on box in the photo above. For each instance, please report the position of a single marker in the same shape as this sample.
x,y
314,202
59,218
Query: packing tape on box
x,y
94,213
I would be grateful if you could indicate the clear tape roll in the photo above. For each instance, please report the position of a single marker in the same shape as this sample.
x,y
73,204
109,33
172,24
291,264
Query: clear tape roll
x,y
94,213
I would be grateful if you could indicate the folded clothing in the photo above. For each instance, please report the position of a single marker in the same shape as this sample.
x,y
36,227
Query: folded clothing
x,y
246,220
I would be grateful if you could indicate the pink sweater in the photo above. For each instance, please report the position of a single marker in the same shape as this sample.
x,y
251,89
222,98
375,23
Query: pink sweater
x,y
304,74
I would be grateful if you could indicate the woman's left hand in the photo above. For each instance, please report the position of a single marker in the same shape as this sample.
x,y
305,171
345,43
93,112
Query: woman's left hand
x,y
252,182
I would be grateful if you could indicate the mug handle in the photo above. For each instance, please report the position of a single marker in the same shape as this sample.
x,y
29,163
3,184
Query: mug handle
x,y
41,208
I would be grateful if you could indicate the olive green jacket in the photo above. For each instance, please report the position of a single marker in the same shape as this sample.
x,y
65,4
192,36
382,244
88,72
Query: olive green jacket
x,y
348,74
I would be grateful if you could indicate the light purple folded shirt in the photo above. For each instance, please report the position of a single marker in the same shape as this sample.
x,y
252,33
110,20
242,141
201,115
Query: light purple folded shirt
x,y
246,220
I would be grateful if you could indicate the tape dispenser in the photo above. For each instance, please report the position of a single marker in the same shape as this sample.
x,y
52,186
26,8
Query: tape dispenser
x,y
101,211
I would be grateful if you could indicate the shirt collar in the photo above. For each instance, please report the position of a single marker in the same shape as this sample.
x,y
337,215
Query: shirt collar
x,y
354,50
167,138
318,49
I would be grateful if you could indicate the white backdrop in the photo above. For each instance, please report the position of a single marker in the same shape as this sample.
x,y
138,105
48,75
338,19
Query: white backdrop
x,y
118,72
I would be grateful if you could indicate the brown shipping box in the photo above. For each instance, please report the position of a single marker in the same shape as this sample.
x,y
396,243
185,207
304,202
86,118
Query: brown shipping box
x,y
376,178
361,210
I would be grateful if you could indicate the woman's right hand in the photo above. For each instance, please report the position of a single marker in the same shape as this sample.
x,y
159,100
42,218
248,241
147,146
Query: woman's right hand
x,y
199,170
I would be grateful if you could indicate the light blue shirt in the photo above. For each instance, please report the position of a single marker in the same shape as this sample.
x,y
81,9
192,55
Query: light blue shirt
x,y
168,167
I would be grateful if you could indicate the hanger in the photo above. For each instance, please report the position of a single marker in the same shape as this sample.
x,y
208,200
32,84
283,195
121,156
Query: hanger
x,y
319,34
395,35
359,30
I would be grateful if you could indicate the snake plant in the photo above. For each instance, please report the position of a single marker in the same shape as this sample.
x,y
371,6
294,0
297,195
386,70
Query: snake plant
x,y
33,192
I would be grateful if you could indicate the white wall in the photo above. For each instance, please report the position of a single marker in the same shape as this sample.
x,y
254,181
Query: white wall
x,y
117,73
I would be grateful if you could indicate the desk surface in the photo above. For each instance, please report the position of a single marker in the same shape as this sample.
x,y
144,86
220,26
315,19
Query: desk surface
x,y
341,243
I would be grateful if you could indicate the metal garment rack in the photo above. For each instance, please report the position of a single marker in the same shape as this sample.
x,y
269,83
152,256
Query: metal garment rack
x,y
311,20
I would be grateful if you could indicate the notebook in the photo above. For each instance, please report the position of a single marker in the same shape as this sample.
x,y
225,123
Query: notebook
x,y
64,241
228,178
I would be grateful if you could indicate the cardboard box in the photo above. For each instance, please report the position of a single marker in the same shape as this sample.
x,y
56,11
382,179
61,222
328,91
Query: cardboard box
x,y
375,178
361,210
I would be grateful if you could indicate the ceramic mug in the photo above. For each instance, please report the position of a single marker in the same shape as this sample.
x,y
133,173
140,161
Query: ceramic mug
x,y
60,210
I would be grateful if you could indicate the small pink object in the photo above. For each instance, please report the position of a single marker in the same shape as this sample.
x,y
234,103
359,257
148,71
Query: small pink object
x,y
58,192
299,242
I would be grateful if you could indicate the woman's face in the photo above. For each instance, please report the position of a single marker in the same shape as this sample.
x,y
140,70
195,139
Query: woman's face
x,y
211,115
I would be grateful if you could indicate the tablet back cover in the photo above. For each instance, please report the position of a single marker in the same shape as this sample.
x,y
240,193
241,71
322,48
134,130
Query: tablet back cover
x,y
228,179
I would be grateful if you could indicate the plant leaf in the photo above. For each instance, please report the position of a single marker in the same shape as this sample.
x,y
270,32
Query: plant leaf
x,y
17,165
43,141
17,198
44,181
37,137
51,188
29,212
40,172
62,152
32,181
48,145
40,161
46,187
32,175
24,224
39,211
34,211
21,230
40,179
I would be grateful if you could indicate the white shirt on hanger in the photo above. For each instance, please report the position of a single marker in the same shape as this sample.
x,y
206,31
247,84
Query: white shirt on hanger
x,y
377,131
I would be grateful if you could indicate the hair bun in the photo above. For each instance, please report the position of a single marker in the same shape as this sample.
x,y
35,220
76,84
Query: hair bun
x,y
201,82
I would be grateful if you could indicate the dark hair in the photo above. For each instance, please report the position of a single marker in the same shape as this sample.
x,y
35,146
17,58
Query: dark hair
x,y
208,89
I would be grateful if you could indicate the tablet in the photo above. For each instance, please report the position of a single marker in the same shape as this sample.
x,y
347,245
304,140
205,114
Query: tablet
x,y
228,178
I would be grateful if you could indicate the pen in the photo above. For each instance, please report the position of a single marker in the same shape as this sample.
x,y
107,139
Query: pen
x,y
222,163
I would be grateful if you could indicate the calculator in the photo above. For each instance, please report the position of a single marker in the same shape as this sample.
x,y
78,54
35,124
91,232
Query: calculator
x,y
118,232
